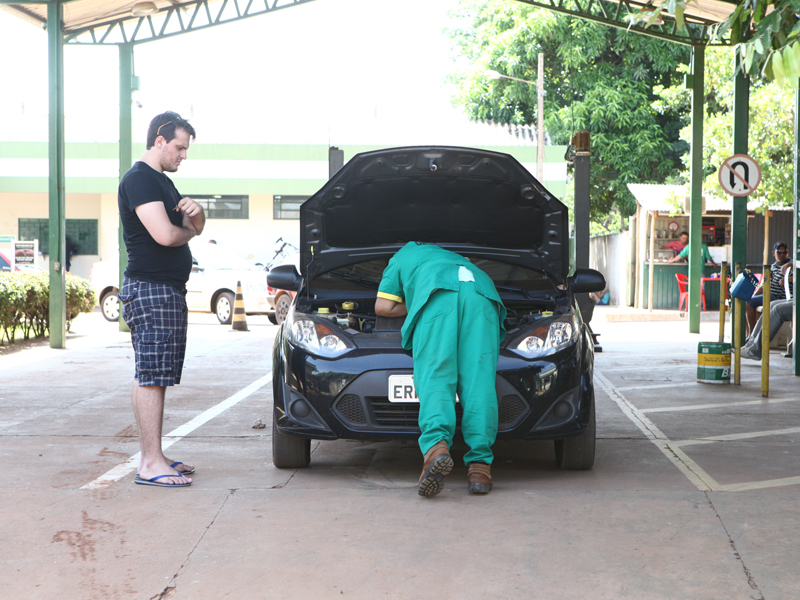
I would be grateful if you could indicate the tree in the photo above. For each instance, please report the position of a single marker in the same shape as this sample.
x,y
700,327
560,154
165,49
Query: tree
x,y
596,78
771,140
765,32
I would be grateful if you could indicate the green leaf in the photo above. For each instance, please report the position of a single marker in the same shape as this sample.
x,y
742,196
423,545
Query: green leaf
x,y
777,67
678,12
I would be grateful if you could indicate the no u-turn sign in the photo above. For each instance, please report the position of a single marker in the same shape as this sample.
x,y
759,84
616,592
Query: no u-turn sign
x,y
739,175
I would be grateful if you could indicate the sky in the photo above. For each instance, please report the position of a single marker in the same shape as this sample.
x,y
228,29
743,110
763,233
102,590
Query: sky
x,y
314,73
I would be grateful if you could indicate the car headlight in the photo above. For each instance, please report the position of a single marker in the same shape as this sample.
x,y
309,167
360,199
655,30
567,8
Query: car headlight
x,y
317,337
548,338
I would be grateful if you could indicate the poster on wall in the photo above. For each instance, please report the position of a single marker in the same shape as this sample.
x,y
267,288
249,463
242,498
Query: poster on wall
x,y
25,254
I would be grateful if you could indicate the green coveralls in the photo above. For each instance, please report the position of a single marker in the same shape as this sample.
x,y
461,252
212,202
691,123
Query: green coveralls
x,y
454,327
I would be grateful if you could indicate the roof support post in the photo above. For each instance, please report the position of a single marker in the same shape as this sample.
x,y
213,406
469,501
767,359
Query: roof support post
x,y
796,236
741,127
57,205
696,262
125,145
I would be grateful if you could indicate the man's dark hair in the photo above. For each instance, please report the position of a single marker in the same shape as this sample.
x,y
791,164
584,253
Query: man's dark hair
x,y
686,233
166,125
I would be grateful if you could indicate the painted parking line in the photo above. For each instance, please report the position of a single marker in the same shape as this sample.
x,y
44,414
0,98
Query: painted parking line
x,y
702,480
177,434
674,452
763,402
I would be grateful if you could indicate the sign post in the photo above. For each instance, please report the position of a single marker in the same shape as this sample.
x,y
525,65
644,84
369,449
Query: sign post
x,y
739,176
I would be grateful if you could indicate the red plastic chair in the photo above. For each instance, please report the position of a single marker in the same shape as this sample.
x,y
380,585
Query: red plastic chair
x,y
683,281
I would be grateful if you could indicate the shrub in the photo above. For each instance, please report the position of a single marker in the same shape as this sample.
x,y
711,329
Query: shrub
x,y
25,303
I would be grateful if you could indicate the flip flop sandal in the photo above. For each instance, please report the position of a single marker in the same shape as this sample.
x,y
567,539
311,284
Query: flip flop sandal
x,y
177,462
154,481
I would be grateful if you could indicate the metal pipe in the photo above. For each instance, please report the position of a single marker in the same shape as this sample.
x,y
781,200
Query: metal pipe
x,y
723,296
651,275
766,285
737,334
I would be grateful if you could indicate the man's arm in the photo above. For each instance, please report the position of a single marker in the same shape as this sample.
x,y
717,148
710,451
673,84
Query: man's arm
x,y
195,212
154,217
389,308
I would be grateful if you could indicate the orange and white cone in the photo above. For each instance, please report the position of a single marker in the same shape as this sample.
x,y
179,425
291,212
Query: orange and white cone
x,y
239,318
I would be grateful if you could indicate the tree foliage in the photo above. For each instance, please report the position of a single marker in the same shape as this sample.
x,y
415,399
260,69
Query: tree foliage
x,y
771,139
595,78
766,33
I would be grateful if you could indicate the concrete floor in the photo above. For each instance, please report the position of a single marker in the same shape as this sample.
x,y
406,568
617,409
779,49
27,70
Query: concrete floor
x,y
693,495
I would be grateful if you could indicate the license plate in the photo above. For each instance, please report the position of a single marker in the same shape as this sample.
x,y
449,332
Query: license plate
x,y
401,389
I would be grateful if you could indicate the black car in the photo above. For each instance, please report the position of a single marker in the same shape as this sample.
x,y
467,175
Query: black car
x,y
341,372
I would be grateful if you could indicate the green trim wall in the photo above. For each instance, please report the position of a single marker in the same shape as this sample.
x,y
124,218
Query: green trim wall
x,y
232,152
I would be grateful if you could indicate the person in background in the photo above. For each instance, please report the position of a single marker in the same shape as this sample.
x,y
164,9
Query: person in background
x,y
780,251
780,312
705,255
677,245
71,249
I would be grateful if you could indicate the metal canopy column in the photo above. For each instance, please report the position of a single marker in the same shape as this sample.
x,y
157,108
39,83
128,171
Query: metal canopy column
x,y
57,206
696,178
741,125
796,242
125,145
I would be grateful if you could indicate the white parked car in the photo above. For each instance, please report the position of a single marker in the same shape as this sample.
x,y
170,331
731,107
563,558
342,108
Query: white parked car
x,y
211,287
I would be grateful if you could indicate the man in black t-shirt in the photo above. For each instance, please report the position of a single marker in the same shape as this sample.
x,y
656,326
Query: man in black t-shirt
x,y
157,225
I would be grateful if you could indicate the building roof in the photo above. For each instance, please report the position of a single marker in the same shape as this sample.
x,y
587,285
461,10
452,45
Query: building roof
x,y
663,198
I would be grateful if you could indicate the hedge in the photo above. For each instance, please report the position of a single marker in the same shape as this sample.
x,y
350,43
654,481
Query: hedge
x,y
25,303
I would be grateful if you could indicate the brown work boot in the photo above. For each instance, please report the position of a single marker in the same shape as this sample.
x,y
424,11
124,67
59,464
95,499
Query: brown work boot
x,y
438,463
479,477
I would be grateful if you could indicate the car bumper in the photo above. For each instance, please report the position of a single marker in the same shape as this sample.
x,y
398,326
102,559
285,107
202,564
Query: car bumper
x,y
348,398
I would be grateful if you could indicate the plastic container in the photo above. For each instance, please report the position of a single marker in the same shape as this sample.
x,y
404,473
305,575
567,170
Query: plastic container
x,y
713,362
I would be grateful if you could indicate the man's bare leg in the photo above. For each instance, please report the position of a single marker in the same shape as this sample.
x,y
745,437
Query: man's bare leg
x,y
148,407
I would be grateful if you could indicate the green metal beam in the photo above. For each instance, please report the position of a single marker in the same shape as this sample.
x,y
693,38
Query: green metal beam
x,y
741,125
696,185
126,74
613,14
57,235
174,20
796,242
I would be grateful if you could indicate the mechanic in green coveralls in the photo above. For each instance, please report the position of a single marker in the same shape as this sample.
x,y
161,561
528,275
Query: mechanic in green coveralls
x,y
454,327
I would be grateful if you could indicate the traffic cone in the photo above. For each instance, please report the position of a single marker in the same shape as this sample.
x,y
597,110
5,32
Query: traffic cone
x,y
239,318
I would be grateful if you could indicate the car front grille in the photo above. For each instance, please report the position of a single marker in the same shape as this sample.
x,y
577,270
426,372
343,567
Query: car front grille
x,y
378,412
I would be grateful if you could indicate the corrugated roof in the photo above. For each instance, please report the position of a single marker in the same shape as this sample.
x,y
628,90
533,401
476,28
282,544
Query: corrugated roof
x,y
662,198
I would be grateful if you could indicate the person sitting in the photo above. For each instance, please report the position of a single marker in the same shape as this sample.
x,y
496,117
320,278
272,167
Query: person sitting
x,y
781,253
780,312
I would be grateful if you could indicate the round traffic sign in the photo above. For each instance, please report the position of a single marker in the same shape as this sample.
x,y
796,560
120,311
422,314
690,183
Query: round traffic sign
x,y
739,175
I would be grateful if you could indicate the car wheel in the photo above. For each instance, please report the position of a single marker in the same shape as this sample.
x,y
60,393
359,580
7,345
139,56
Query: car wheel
x,y
577,453
273,319
224,308
109,305
282,304
289,452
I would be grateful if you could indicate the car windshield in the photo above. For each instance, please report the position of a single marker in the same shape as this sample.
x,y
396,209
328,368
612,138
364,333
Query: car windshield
x,y
213,256
367,275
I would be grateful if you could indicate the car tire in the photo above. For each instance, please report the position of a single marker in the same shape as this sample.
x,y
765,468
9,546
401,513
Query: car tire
x,y
289,452
273,319
109,306
282,305
224,308
577,453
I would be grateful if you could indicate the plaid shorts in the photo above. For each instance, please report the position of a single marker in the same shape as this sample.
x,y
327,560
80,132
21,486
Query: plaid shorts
x,y
158,319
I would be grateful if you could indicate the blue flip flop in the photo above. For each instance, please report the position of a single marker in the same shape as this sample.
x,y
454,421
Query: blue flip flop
x,y
177,462
154,481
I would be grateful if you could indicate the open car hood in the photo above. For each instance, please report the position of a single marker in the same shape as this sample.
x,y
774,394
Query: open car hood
x,y
470,201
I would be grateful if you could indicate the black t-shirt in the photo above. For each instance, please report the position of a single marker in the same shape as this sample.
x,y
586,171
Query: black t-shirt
x,y
147,259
